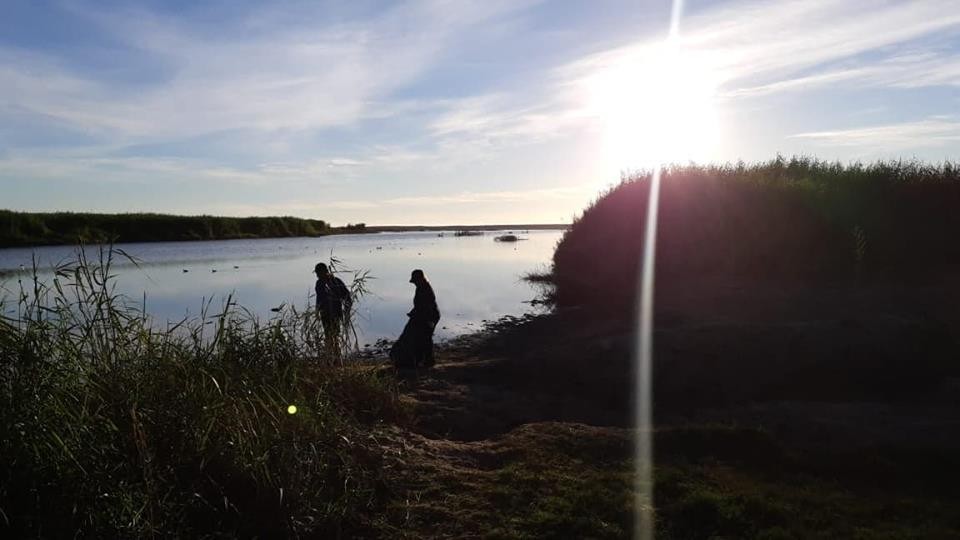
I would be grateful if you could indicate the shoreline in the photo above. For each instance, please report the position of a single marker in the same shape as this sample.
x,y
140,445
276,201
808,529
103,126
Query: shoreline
x,y
333,232
540,405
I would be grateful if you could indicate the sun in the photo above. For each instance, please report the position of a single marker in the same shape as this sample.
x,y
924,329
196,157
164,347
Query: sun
x,y
656,105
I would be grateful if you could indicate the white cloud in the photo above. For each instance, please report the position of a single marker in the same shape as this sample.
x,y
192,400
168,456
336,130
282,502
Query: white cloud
x,y
344,162
900,136
902,71
147,170
300,76
518,196
756,48
463,199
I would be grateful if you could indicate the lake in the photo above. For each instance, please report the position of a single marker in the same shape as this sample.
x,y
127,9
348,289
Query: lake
x,y
475,278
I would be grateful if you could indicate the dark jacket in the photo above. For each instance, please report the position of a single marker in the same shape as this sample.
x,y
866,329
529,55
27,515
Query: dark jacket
x,y
332,297
425,304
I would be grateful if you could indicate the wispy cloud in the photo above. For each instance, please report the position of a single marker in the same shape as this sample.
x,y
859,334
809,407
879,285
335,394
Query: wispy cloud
x,y
902,71
151,170
756,48
900,136
300,74
763,40
462,198
516,196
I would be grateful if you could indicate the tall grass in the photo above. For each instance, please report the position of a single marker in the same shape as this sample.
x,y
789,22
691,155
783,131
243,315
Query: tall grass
x,y
110,427
796,219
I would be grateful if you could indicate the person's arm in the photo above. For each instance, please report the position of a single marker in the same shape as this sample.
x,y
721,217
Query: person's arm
x,y
417,303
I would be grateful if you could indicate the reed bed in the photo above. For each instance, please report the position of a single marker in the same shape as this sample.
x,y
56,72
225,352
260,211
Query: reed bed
x,y
786,220
112,427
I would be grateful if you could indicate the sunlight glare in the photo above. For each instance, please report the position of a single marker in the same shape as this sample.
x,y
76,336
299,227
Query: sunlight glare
x,y
656,105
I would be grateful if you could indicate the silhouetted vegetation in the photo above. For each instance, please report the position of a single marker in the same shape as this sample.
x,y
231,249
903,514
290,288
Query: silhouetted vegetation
x,y
355,227
796,220
23,229
110,427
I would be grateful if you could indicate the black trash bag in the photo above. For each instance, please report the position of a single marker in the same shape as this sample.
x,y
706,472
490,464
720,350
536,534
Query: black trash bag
x,y
402,353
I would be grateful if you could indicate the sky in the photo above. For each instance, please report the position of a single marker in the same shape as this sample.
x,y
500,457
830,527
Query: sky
x,y
449,111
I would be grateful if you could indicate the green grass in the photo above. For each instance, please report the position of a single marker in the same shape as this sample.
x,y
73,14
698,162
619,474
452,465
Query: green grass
x,y
784,220
24,229
110,427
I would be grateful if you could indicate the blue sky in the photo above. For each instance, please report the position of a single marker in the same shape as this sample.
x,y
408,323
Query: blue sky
x,y
449,111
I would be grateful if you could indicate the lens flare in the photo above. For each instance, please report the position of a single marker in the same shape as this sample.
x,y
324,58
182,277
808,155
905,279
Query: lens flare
x,y
643,351
292,409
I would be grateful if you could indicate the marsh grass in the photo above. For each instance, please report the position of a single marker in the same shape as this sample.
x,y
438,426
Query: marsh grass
x,y
786,220
543,282
111,427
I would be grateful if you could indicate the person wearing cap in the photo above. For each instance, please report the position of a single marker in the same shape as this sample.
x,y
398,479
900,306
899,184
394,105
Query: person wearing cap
x,y
423,319
333,300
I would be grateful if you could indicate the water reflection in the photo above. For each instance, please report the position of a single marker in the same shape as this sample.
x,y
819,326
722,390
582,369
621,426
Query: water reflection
x,y
475,278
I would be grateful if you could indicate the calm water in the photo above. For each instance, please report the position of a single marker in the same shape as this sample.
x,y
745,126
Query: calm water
x,y
475,278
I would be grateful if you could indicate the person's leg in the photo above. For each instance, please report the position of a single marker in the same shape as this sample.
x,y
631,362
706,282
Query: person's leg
x,y
331,334
424,344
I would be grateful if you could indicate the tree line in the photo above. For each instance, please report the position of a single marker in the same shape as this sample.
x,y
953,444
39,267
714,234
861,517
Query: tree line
x,y
27,228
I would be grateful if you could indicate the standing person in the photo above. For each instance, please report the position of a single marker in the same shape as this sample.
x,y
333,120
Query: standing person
x,y
333,300
423,319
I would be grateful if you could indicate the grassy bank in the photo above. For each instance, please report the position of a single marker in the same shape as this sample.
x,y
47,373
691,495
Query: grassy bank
x,y
796,220
27,229
525,432
112,428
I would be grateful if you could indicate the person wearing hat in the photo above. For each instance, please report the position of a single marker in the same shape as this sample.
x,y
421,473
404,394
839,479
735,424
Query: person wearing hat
x,y
333,300
423,319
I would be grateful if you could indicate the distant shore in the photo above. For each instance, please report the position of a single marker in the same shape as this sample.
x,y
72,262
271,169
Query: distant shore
x,y
508,227
29,229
